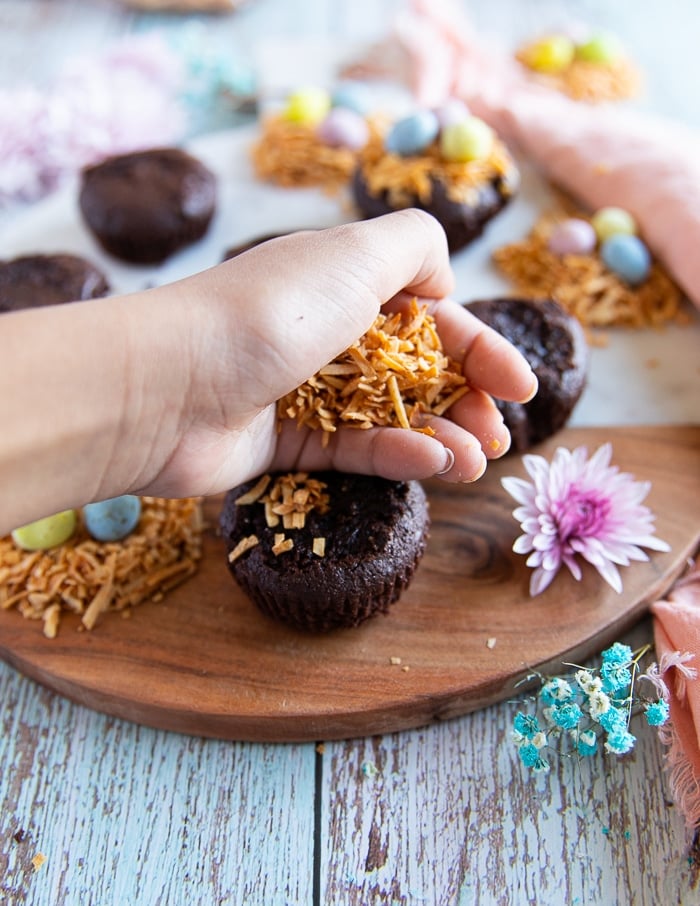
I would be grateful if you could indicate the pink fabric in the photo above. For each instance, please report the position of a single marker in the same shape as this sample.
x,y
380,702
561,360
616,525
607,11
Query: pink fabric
x,y
602,154
677,629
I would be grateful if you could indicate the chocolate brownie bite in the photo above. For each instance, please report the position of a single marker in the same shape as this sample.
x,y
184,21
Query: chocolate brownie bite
x,y
459,171
144,206
324,551
553,343
32,281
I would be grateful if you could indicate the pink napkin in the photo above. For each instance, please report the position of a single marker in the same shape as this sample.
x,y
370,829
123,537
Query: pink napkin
x,y
677,629
602,154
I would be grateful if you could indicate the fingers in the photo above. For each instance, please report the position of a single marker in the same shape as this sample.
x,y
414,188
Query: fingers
x,y
489,361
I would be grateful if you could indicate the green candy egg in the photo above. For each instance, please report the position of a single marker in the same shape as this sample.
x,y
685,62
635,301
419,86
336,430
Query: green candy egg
x,y
602,48
470,139
47,532
554,53
612,221
307,106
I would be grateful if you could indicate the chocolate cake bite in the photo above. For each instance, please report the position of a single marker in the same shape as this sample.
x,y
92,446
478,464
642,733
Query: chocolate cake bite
x,y
32,281
145,206
553,343
324,551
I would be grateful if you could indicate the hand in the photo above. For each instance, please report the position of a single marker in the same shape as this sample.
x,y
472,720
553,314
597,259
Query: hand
x,y
311,295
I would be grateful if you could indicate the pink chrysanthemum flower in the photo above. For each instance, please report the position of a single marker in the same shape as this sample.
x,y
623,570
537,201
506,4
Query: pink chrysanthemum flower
x,y
577,505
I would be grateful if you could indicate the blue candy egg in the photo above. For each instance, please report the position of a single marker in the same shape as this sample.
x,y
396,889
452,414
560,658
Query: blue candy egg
x,y
353,95
113,519
412,134
626,256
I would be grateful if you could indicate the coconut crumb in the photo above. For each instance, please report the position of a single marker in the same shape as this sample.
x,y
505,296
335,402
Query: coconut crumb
x,y
282,545
38,861
491,643
319,547
393,375
245,544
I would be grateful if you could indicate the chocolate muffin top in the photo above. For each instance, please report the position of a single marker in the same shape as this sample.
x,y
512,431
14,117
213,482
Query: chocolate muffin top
x,y
144,206
353,555
553,343
32,281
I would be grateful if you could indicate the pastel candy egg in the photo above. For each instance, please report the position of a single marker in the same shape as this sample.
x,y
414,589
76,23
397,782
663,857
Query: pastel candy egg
x,y
353,95
471,139
610,221
572,237
626,256
307,106
600,48
412,134
551,54
47,532
344,128
452,111
112,519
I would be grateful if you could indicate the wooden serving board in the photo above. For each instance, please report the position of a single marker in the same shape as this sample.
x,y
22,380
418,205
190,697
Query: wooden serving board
x,y
205,662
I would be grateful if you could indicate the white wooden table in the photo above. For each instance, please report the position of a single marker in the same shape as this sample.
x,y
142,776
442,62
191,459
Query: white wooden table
x,y
443,815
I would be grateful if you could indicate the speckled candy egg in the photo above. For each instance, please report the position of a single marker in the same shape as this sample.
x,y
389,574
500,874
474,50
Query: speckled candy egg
x,y
307,106
353,96
628,257
412,134
113,519
344,128
610,221
47,532
572,237
551,54
452,111
471,139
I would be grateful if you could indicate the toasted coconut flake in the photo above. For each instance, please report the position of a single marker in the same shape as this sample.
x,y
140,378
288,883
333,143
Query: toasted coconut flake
x,y
584,286
245,544
395,373
282,545
319,547
255,493
88,577
584,80
292,155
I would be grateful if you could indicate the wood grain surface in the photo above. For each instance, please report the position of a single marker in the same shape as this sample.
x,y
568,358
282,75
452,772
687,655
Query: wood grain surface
x,y
206,662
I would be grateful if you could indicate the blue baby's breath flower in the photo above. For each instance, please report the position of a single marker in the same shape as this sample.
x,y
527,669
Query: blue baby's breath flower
x,y
526,724
618,655
556,690
531,758
566,715
656,713
616,678
613,720
619,742
587,743
598,703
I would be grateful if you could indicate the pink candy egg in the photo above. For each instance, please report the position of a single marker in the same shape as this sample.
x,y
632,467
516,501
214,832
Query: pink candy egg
x,y
344,128
452,111
572,237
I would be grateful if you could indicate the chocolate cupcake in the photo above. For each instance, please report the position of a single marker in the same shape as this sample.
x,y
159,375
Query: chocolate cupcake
x,y
325,551
448,163
145,206
553,343
32,281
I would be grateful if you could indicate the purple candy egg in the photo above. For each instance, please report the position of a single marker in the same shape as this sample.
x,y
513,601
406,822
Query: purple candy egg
x,y
344,128
572,237
452,111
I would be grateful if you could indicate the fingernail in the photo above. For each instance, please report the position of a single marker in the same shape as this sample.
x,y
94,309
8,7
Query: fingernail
x,y
449,461
479,472
533,389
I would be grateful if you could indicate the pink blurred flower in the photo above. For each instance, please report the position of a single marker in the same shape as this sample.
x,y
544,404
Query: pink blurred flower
x,y
580,506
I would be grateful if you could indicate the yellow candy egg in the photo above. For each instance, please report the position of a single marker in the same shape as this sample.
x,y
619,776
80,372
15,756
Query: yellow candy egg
x,y
307,106
47,532
552,54
611,221
470,139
